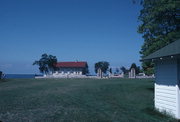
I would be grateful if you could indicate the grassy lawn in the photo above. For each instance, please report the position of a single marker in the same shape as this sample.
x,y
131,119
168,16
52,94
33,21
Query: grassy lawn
x,y
78,100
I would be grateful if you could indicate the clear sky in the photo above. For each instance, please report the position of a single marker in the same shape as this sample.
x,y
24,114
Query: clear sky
x,y
83,30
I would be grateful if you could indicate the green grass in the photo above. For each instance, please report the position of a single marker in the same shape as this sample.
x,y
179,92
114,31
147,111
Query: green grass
x,y
78,100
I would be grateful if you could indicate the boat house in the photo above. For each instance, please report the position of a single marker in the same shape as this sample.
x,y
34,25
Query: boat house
x,y
167,78
72,68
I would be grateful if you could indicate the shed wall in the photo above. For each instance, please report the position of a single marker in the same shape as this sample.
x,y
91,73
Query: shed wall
x,y
179,88
166,72
166,88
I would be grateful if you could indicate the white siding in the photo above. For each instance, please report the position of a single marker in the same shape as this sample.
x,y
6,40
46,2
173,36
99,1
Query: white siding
x,y
178,105
178,89
166,99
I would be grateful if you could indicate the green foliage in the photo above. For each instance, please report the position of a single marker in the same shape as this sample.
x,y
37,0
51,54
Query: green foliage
x,y
148,68
110,70
46,63
103,65
137,68
160,25
1,73
117,71
85,70
133,65
124,70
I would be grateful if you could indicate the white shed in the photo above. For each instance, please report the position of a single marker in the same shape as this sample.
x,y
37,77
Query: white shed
x,y
167,78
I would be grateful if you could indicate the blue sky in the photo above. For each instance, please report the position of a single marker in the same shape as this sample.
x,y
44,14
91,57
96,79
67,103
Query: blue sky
x,y
83,30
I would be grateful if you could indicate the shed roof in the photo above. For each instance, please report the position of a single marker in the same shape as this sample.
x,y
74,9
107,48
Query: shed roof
x,y
170,50
72,64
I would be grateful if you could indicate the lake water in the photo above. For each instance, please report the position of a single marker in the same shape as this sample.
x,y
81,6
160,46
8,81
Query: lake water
x,y
10,76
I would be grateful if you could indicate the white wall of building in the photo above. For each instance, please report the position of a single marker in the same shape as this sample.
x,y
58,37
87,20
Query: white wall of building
x,y
73,71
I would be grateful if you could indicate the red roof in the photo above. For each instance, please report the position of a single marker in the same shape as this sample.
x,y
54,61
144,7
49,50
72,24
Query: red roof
x,y
72,64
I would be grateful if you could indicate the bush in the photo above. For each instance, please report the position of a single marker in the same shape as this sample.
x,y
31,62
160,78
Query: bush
x,y
1,74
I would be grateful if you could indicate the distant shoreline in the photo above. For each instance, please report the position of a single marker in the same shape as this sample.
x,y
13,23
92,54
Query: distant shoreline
x,y
12,76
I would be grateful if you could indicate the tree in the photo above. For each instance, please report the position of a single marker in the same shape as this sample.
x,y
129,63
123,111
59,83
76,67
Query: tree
x,y
148,68
137,68
124,70
110,70
52,60
159,26
103,65
1,74
46,63
117,71
133,65
85,70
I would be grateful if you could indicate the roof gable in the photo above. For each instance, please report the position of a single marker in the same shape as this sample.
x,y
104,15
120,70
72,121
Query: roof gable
x,y
170,50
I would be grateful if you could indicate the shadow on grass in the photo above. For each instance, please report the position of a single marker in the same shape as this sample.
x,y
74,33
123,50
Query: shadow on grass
x,y
151,89
152,81
2,81
154,112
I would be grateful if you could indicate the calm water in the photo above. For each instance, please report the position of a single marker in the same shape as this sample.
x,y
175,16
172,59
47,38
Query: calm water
x,y
9,76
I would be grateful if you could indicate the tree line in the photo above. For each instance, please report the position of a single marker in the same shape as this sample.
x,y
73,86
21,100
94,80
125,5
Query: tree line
x,y
47,64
